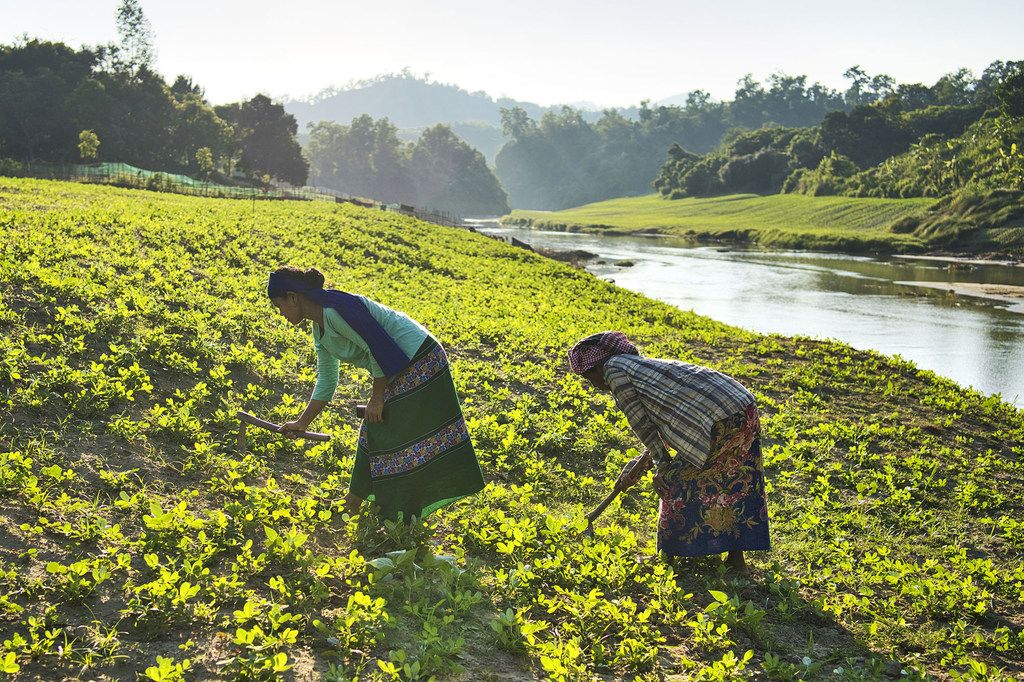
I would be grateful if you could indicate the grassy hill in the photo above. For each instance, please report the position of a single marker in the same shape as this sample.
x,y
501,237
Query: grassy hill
x,y
411,101
137,540
973,224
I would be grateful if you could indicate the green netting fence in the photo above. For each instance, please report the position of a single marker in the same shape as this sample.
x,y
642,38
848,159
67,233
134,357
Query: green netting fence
x,y
126,175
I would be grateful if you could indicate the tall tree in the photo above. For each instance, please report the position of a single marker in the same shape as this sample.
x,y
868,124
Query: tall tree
x,y
747,107
516,123
184,87
364,158
265,139
36,80
1010,91
955,88
136,47
197,126
451,175
137,126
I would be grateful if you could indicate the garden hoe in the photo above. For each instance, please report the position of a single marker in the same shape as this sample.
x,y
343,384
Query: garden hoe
x,y
246,418
625,481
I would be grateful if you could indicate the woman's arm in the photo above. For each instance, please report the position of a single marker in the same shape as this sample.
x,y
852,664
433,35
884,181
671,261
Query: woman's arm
x,y
314,408
327,367
375,407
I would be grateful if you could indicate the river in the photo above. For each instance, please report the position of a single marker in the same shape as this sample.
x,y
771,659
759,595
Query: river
x,y
894,305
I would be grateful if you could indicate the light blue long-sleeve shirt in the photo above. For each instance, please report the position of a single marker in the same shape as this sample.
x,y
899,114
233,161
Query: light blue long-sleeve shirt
x,y
339,342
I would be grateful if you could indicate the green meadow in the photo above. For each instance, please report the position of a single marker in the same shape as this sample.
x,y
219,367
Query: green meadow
x,y
137,541
782,220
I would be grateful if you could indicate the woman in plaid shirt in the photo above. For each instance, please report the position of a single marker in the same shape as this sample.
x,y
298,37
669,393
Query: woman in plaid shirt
x,y
701,432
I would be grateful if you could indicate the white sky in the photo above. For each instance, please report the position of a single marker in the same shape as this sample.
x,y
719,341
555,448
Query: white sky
x,y
608,52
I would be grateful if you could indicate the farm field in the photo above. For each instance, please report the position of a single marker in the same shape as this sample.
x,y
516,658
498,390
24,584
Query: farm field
x,y
138,542
782,220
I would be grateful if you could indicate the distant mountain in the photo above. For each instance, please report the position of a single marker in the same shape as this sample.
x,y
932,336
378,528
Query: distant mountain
x,y
408,101
413,103
678,100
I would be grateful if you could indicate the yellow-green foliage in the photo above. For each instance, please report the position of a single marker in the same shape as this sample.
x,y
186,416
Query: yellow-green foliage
x,y
988,156
778,220
137,541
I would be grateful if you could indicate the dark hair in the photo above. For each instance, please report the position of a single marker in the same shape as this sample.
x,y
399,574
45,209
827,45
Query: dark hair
x,y
310,277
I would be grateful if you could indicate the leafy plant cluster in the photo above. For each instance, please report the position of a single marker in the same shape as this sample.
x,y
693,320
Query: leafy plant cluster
x,y
139,541
985,157
562,159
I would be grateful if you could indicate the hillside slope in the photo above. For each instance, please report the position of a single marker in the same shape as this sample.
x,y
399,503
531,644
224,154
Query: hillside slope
x,y
139,540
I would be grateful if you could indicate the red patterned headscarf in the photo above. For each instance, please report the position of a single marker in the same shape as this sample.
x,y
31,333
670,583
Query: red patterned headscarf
x,y
595,349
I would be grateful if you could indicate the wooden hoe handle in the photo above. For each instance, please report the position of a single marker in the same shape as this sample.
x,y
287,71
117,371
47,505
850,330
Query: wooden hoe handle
x,y
599,509
625,481
247,418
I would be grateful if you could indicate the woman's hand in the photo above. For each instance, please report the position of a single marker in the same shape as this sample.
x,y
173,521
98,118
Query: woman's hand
x,y
292,429
375,409
661,486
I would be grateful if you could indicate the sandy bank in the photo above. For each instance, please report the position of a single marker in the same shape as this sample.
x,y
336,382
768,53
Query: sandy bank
x,y
963,260
1006,293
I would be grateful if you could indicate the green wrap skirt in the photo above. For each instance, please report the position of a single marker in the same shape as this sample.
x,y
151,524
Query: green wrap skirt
x,y
421,457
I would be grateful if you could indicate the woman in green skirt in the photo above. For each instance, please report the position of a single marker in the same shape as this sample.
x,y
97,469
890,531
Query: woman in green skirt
x,y
414,454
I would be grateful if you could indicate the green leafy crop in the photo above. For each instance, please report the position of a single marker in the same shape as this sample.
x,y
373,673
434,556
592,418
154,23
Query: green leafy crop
x,y
139,542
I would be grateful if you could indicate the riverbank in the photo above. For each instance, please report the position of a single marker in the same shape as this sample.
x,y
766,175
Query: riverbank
x,y
850,225
954,261
135,324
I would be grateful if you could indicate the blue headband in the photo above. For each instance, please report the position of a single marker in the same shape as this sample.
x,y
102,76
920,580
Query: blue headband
x,y
280,283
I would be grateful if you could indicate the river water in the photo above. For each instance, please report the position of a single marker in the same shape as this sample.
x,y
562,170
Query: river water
x,y
885,304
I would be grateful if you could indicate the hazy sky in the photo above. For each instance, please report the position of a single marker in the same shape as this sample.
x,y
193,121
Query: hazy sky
x,y
608,52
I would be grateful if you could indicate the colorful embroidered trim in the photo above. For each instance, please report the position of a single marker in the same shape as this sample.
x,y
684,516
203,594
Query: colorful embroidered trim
x,y
419,372
418,454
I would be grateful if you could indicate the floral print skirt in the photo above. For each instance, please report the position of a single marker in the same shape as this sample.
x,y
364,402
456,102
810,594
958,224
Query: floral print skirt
x,y
721,506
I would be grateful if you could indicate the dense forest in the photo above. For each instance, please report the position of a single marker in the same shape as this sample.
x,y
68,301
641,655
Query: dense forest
x,y
107,102
750,144
562,160
439,170
910,141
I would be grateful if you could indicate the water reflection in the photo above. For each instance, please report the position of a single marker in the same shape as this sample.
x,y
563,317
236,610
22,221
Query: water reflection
x,y
866,302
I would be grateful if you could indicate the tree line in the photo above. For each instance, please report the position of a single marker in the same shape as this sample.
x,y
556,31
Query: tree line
x,y
107,102
561,160
895,141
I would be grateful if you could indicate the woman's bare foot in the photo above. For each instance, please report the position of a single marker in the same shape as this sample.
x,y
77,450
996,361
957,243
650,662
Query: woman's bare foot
x,y
352,503
736,564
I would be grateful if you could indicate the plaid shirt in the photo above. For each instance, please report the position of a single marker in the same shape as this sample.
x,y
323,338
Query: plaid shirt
x,y
673,404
